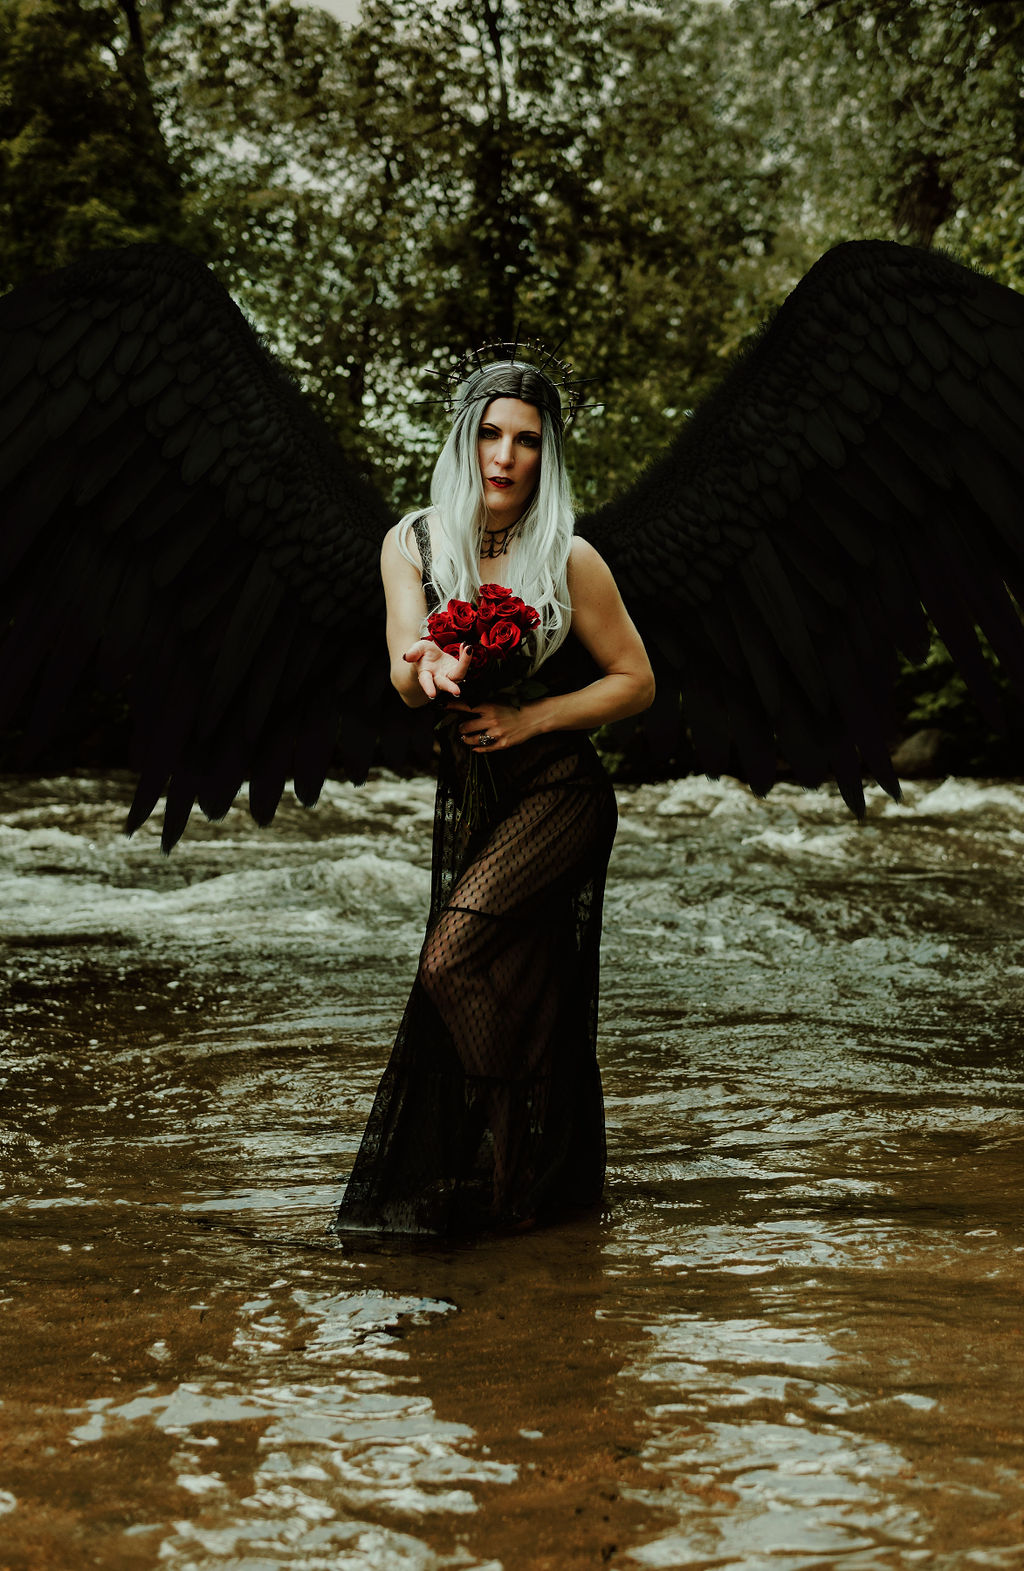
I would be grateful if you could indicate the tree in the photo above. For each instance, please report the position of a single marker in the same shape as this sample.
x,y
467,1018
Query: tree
x,y
82,159
388,194
945,92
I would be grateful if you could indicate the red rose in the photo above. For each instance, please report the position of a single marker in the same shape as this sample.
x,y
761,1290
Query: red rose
x,y
462,616
479,656
514,610
493,592
502,638
455,650
486,612
439,627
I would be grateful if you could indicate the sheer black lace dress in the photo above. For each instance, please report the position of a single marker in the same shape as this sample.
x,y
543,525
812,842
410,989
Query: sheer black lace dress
x,y
490,1110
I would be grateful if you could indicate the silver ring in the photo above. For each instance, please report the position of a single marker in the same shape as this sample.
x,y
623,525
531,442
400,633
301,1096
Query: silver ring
x,y
485,741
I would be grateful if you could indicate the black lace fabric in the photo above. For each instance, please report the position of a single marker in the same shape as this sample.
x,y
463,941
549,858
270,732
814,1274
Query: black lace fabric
x,y
490,1110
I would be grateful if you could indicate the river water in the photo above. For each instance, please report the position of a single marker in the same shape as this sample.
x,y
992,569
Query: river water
x,y
792,1339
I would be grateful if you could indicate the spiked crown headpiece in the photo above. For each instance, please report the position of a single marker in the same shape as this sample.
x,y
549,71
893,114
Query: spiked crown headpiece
x,y
560,390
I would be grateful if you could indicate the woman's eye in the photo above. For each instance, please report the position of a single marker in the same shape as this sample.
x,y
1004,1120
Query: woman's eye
x,y
487,433
529,440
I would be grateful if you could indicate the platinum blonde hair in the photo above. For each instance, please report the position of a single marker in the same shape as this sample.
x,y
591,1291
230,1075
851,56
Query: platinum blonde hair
x,y
536,567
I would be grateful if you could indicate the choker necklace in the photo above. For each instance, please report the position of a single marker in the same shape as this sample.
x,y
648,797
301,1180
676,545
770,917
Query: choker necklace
x,y
497,541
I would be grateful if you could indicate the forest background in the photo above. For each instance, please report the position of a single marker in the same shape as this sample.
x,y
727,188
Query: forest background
x,y
638,183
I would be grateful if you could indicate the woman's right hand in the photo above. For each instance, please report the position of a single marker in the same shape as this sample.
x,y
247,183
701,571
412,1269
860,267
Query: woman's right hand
x,y
436,671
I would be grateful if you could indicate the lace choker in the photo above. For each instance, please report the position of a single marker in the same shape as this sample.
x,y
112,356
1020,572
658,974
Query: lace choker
x,y
497,541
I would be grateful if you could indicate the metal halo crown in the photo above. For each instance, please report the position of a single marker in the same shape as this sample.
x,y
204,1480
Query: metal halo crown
x,y
529,353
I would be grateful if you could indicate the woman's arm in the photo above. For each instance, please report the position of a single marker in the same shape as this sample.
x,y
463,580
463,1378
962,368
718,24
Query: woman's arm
x,y
419,669
603,626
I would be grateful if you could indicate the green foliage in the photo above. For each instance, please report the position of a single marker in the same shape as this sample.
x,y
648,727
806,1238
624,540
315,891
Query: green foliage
x,y
935,694
82,159
945,91
386,194
639,183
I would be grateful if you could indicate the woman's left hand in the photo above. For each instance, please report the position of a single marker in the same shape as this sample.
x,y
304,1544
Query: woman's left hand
x,y
503,725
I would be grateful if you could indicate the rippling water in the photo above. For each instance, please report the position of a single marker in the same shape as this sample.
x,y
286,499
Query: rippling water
x,y
792,1340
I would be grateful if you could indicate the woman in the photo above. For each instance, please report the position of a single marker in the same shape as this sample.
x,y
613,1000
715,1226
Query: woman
x,y
490,1110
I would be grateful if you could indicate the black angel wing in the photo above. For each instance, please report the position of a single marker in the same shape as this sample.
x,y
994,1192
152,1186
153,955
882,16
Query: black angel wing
x,y
860,466
172,514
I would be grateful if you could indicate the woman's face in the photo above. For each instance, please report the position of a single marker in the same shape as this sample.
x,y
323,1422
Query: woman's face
x,y
508,444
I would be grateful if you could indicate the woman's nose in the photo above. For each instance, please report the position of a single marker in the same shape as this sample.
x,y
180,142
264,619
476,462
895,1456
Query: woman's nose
x,y
505,450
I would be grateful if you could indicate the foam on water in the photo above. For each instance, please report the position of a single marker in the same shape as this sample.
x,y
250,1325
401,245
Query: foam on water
x,y
312,897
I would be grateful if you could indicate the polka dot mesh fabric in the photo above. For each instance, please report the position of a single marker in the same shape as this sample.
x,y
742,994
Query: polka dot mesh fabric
x,y
490,1110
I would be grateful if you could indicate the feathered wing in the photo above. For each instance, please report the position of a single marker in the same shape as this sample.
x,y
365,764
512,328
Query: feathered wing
x,y
860,469
173,516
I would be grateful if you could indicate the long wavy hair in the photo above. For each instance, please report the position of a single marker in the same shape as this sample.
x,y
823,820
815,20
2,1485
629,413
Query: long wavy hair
x,y
536,567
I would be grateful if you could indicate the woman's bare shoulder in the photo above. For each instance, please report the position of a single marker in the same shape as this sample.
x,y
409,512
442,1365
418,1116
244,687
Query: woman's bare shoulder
x,y
400,543
586,565
392,557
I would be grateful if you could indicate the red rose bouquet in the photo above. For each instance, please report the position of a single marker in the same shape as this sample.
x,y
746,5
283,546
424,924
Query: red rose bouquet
x,y
497,631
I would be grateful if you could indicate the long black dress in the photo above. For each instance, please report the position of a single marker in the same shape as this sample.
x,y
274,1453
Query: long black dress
x,y
490,1110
